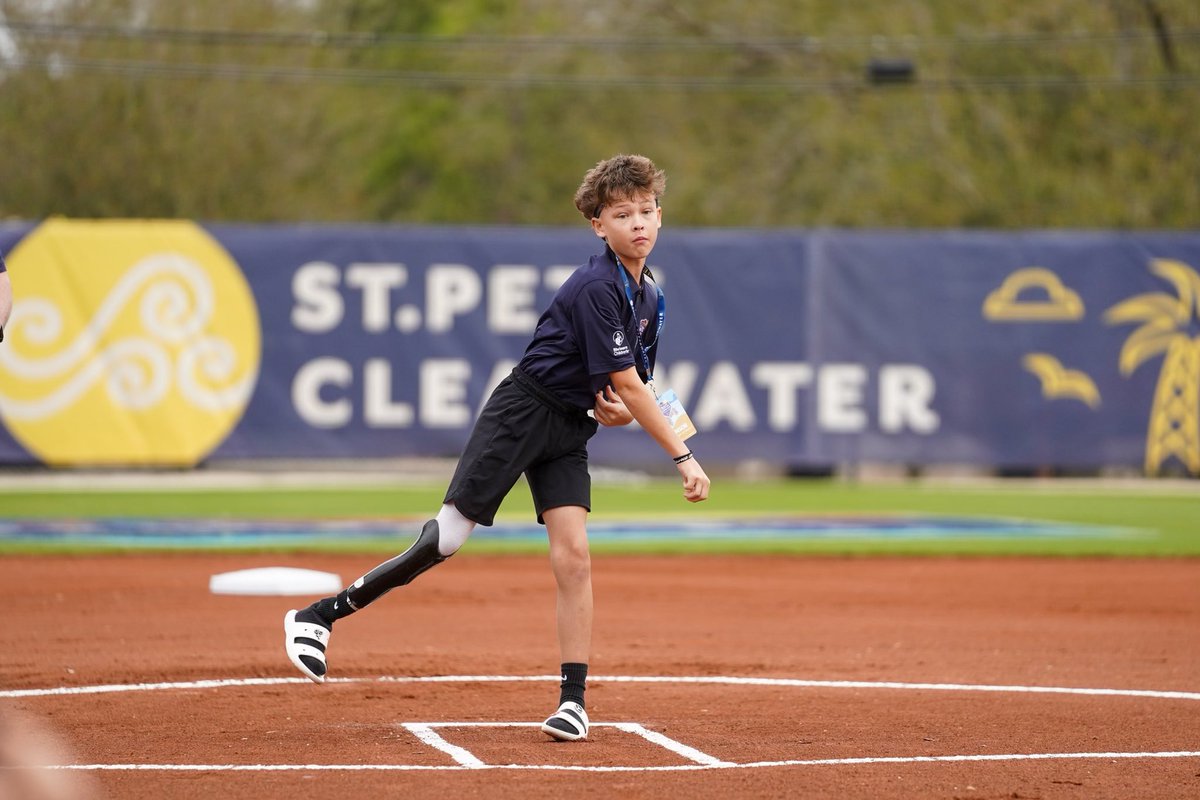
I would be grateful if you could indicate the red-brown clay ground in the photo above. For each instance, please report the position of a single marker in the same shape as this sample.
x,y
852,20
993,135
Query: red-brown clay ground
x,y
1114,624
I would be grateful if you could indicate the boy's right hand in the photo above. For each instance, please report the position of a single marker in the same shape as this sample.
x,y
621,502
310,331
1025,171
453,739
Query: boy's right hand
x,y
610,409
695,482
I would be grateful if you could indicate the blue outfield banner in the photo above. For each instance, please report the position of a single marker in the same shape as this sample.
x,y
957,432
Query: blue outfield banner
x,y
167,342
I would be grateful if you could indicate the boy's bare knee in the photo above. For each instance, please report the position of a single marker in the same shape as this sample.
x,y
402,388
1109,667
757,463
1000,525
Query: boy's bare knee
x,y
572,564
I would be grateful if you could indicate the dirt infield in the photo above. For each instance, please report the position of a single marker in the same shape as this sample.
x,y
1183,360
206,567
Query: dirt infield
x,y
751,677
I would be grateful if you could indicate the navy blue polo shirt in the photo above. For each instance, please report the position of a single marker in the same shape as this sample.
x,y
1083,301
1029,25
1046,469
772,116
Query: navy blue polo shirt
x,y
589,331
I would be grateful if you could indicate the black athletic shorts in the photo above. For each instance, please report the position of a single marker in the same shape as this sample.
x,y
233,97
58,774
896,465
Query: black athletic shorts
x,y
524,429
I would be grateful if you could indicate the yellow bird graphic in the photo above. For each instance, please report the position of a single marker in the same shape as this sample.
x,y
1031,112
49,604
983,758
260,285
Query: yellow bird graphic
x,y
1058,381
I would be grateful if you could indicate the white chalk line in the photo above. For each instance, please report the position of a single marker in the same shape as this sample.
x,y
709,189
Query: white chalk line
x,y
706,680
679,748
465,760
426,733
810,762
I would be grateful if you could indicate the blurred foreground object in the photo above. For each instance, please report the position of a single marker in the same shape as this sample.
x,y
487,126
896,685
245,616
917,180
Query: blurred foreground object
x,y
27,747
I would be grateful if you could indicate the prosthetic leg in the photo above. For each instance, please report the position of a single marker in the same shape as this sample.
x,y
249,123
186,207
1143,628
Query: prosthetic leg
x,y
420,556
307,632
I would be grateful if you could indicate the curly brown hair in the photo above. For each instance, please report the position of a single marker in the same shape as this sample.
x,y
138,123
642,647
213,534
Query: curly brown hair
x,y
618,178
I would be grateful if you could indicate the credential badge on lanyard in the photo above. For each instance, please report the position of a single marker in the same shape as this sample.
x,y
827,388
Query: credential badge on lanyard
x,y
668,402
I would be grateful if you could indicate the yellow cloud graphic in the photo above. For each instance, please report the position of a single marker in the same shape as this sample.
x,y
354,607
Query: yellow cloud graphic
x,y
132,342
1060,382
1057,304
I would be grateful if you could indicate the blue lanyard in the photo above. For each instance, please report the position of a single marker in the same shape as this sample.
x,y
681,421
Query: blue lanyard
x,y
662,318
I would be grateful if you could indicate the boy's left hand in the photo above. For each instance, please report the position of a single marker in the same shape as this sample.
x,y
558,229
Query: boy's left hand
x,y
695,481
610,410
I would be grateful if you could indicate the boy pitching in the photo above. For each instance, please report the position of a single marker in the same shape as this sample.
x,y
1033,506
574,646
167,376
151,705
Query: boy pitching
x,y
594,349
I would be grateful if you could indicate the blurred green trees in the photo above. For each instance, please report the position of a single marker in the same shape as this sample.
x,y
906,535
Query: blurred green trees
x,y
1058,113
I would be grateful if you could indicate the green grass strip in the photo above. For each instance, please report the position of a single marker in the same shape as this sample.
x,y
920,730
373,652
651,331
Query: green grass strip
x,y
1166,521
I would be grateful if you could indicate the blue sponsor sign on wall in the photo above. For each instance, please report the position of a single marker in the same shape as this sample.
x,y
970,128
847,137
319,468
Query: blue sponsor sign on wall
x,y
794,347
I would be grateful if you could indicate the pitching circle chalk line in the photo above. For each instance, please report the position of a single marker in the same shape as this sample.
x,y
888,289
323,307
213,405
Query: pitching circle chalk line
x,y
219,683
700,761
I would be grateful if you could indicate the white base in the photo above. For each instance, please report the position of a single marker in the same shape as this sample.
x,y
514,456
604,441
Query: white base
x,y
276,581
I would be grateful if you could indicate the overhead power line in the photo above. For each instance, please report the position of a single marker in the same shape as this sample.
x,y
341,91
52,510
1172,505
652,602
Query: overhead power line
x,y
366,40
56,65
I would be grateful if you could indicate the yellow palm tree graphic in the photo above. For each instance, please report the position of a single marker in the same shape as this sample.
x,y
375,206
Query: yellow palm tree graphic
x,y
1167,327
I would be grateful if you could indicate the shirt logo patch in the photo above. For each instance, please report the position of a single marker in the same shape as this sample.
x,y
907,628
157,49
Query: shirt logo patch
x,y
619,346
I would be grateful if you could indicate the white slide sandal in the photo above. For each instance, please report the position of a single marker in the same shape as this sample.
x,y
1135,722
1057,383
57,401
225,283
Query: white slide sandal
x,y
305,643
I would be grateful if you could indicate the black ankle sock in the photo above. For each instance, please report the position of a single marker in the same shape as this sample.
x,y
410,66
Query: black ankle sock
x,y
331,609
574,678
